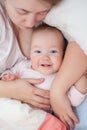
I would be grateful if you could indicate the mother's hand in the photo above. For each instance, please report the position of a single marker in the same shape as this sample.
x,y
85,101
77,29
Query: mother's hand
x,y
27,93
62,109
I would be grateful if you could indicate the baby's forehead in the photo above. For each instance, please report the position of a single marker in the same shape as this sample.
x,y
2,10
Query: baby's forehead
x,y
47,29
49,34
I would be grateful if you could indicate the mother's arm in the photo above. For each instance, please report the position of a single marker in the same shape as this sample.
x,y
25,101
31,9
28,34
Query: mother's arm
x,y
73,67
21,89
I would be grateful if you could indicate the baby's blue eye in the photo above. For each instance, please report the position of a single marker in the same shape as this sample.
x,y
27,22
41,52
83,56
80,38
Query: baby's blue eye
x,y
37,51
53,51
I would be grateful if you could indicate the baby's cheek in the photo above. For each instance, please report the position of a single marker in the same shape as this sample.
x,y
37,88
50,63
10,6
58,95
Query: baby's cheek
x,y
34,64
58,62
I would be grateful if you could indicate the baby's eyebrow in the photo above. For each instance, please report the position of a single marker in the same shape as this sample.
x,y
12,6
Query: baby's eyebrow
x,y
35,46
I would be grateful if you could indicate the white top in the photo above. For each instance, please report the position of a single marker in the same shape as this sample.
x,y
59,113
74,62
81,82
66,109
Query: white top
x,y
9,50
25,71
70,16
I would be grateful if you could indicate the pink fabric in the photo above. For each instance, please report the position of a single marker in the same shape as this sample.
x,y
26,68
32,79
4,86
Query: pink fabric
x,y
52,123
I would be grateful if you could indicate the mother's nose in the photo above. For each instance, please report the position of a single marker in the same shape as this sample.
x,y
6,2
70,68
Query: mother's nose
x,y
30,21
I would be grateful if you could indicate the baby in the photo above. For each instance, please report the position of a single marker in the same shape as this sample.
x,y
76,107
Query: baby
x,y
46,55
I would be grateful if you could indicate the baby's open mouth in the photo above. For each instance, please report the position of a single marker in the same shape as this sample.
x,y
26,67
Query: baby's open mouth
x,y
46,65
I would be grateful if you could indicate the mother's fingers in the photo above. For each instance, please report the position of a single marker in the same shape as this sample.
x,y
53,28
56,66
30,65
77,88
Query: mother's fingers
x,y
64,121
42,93
40,106
69,121
34,81
37,97
35,104
41,100
73,117
38,91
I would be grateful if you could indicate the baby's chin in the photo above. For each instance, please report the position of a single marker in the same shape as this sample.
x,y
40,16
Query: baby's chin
x,y
45,72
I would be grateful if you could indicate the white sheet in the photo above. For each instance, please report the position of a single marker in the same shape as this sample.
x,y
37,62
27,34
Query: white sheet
x,y
70,16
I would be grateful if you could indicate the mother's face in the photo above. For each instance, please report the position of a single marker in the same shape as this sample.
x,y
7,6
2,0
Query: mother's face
x,y
26,13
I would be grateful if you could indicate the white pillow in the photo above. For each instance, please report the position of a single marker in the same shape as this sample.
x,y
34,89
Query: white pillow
x,y
70,16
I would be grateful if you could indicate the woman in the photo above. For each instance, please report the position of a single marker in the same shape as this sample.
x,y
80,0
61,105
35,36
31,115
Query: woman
x,y
20,18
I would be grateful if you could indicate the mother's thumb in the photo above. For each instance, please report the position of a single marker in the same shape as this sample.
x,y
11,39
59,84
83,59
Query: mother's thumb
x,y
34,81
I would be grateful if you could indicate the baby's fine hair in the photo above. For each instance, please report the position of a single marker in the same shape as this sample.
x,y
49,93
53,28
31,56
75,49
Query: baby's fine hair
x,y
47,27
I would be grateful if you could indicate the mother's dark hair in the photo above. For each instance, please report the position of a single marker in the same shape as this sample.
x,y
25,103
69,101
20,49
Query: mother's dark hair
x,y
53,2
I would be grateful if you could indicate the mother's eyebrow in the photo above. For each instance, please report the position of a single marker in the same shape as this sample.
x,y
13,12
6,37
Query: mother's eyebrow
x,y
23,10
27,11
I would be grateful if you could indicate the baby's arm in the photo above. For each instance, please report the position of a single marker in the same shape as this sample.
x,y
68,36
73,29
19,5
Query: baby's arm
x,y
81,85
78,92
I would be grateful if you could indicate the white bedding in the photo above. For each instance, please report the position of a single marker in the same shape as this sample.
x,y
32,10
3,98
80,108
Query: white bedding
x,y
15,115
70,16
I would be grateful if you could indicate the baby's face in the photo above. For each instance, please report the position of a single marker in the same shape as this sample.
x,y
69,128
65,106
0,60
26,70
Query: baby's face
x,y
46,52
